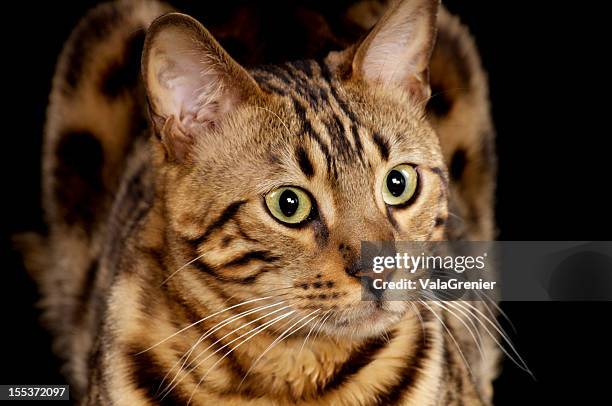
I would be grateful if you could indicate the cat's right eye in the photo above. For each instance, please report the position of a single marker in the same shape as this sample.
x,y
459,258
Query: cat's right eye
x,y
290,205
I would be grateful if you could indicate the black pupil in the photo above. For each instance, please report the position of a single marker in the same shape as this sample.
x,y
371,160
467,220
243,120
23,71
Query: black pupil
x,y
288,203
396,183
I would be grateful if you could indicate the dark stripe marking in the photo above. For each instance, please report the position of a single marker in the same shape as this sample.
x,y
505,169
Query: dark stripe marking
x,y
412,371
304,162
304,65
227,214
124,74
247,280
265,79
245,259
382,145
457,164
439,103
148,375
304,87
328,77
358,359
278,73
156,256
335,129
78,183
310,132
90,32
357,141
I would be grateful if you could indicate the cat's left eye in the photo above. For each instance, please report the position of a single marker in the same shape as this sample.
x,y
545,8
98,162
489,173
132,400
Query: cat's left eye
x,y
399,185
289,204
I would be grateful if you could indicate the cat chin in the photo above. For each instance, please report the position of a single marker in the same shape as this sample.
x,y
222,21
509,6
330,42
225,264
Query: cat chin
x,y
370,319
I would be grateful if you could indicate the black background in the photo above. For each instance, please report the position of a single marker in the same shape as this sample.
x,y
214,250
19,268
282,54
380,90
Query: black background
x,y
543,60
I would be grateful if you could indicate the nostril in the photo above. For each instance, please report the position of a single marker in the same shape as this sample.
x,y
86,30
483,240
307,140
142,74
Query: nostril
x,y
357,270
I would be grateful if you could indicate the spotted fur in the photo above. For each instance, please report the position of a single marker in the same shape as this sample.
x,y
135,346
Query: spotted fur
x,y
133,193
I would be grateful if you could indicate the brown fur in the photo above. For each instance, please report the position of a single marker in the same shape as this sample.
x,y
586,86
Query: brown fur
x,y
132,201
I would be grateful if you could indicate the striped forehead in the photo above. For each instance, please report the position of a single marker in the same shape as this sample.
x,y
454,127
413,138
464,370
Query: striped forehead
x,y
322,110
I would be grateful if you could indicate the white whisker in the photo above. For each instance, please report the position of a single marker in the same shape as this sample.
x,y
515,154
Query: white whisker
x,y
321,325
214,329
477,341
277,340
452,337
522,364
181,268
253,334
202,320
312,329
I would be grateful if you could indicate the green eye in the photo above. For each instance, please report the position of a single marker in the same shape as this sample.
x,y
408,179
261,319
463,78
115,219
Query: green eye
x,y
289,204
399,185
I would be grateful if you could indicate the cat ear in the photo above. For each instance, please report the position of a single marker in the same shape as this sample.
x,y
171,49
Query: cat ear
x,y
397,50
191,82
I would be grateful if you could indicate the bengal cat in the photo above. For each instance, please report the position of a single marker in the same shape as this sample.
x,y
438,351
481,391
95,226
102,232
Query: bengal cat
x,y
205,217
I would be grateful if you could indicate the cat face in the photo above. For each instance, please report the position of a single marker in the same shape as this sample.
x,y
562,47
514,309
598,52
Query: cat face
x,y
273,177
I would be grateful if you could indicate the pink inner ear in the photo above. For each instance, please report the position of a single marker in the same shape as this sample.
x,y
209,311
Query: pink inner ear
x,y
187,83
191,93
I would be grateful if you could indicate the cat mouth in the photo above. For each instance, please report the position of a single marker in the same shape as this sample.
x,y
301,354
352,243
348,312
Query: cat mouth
x,y
368,319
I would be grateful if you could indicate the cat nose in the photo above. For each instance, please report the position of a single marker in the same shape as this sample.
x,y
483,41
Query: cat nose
x,y
355,268
359,258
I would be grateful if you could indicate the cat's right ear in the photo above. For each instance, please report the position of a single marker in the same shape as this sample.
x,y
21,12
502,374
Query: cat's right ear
x,y
191,82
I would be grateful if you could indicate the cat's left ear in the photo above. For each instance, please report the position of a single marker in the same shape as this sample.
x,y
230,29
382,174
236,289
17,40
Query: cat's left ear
x,y
191,82
398,49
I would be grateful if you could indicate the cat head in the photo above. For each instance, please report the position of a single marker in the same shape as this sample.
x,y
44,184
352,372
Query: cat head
x,y
272,177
